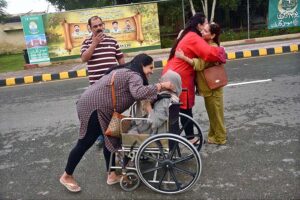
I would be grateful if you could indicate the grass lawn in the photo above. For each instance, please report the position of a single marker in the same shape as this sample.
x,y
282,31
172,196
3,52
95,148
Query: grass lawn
x,y
9,63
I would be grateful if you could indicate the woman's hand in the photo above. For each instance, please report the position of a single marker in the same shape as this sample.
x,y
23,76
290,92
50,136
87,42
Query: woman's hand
x,y
165,86
179,54
222,55
168,85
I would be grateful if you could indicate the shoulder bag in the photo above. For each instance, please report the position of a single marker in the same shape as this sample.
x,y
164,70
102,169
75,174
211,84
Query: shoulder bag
x,y
114,126
215,76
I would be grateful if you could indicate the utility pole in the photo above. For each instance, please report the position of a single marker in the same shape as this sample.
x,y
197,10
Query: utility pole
x,y
183,13
248,15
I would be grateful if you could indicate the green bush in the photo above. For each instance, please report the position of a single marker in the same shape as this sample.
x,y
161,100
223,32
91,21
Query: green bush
x,y
230,35
167,42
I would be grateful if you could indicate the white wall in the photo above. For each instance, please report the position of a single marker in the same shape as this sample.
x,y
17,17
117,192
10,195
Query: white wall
x,y
11,38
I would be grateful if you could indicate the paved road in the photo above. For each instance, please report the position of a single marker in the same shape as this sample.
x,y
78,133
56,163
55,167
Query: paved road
x,y
38,127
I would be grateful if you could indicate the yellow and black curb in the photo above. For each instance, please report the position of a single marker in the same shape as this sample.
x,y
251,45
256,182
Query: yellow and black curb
x,y
43,78
158,64
263,52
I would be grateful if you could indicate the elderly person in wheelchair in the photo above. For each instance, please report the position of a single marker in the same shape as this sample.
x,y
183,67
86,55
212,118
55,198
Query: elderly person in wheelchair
x,y
158,114
152,149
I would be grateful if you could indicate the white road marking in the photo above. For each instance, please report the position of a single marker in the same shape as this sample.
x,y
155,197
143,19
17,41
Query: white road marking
x,y
248,82
83,88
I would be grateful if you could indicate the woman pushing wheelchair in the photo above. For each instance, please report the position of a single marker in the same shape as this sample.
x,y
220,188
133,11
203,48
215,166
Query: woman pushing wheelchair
x,y
95,109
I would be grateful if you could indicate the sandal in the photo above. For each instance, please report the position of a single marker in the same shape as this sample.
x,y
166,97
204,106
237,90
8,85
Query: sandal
x,y
195,141
114,181
211,141
70,186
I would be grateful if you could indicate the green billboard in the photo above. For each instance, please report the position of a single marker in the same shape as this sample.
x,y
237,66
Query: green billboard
x,y
283,14
36,43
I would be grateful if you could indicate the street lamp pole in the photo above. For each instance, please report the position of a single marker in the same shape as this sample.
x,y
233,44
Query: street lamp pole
x,y
248,15
183,14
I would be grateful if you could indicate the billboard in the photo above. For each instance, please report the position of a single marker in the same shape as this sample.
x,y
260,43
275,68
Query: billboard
x,y
134,26
283,14
35,39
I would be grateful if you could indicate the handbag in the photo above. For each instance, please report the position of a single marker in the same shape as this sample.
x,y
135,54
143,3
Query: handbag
x,y
215,76
114,126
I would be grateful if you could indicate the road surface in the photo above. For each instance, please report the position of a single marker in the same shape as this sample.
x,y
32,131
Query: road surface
x,y
39,126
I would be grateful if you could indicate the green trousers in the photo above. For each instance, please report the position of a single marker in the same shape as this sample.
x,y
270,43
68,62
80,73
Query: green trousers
x,y
215,110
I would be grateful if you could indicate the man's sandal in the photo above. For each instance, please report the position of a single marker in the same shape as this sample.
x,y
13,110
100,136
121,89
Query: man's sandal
x,y
70,186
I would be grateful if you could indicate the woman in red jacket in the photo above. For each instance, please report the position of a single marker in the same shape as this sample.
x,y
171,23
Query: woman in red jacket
x,y
193,46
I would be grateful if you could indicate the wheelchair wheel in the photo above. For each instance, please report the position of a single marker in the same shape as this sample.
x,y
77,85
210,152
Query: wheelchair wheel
x,y
130,181
197,130
173,165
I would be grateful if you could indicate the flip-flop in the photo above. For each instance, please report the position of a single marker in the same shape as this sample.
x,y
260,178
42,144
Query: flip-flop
x,y
112,182
70,186
209,141
195,143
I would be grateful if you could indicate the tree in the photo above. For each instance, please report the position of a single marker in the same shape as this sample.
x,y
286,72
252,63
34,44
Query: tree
x,y
205,5
192,7
205,9
79,4
213,7
226,5
3,4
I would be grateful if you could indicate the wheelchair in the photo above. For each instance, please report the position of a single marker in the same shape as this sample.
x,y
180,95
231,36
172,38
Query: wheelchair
x,y
167,162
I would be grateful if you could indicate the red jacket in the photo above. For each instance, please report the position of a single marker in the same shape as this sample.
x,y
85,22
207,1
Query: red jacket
x,y
193,46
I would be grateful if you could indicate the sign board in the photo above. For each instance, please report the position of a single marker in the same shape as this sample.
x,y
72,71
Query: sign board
x,y
135,27
283,13
35,39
